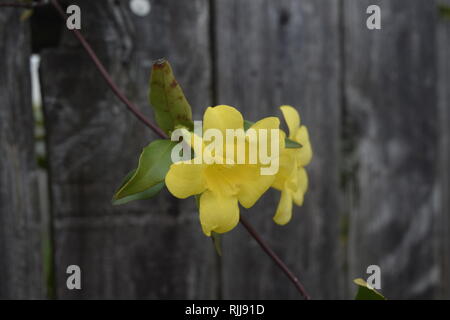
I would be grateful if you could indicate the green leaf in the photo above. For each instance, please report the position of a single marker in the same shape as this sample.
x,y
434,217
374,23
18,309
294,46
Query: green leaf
x,y
247,124
154,163
365,292
288,143
127,178
147,194
217,241
291,144
444,11
167,99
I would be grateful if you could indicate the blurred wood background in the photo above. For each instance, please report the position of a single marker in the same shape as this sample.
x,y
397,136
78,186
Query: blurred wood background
x,y
376,104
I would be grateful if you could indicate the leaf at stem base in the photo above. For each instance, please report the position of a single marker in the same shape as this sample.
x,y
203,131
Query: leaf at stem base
x,y
365,292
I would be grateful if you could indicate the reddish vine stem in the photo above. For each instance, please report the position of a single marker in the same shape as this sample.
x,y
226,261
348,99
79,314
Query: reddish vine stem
x,y
275,258
107,77
131,107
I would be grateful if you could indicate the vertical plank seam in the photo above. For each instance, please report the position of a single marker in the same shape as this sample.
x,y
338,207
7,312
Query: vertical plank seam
x,y
213,51
51,279
344,263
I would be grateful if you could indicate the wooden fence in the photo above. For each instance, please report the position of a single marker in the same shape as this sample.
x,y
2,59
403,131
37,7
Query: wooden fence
x,y
376,104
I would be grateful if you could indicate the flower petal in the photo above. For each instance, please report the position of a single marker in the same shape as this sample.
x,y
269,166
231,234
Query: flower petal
x,y
302,179
218,213
222,117
185,179
266,123
299,194
292,182
292,118
270,123
284,209
253,185
304,154
221,180
287,167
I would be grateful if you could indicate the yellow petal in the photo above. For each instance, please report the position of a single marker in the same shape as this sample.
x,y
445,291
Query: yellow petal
x,y
252,184
287,167
221,180
292,118
302,179
266,123
304,154
222,117
218,213
270,123
299,194
284,209
298,197
184,179
292,183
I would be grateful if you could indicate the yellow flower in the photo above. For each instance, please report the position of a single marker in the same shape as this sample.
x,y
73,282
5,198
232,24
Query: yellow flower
x,y
292,179
222,186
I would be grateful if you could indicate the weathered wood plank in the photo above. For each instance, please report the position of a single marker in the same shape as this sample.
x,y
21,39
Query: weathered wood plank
x,y
20,245
391,109
271,53
151,249
443,230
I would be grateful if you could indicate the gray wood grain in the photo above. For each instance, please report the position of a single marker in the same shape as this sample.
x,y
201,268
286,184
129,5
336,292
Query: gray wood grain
x,y
149,249
376,104
391,112
21,262
271,53
443,225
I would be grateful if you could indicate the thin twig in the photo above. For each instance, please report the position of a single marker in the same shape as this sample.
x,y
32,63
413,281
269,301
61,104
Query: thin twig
x,y
101,68
275,258
106,76
157,130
